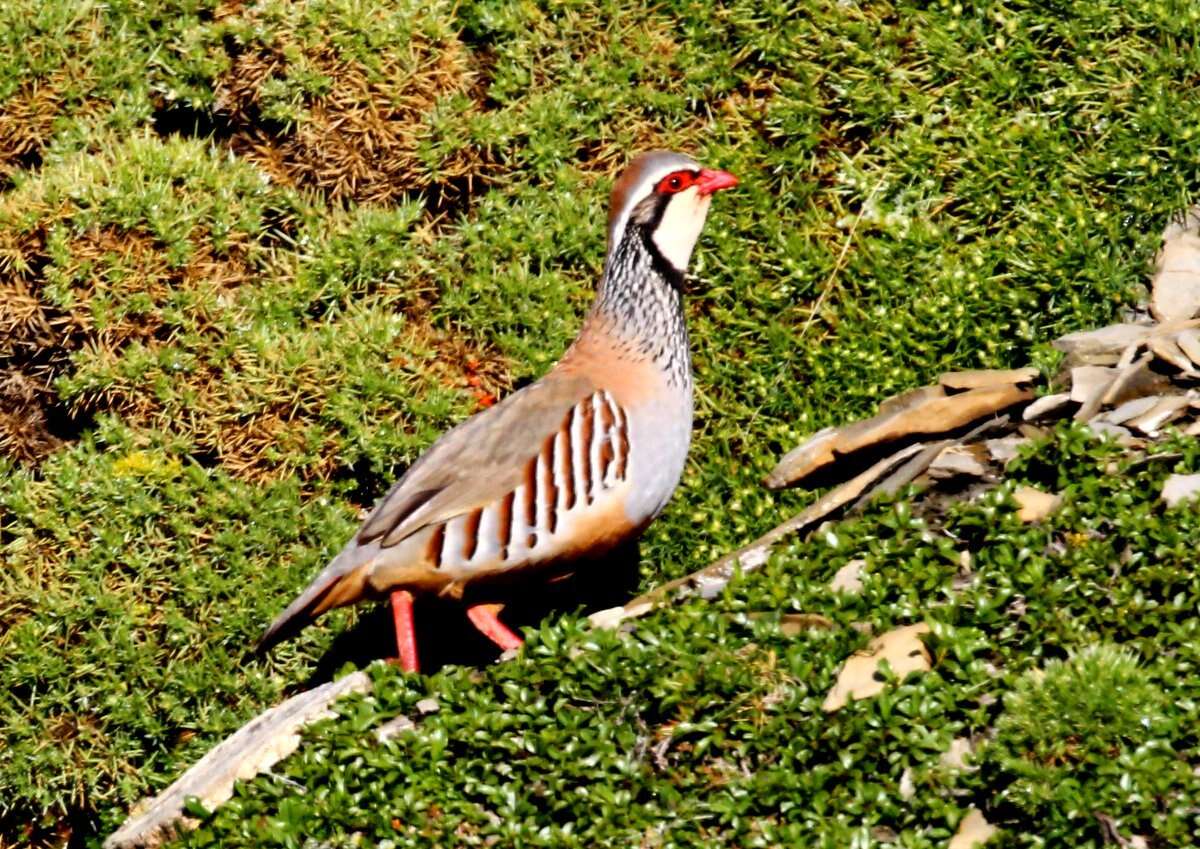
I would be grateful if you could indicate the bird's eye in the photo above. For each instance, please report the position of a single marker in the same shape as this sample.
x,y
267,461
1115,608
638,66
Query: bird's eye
x,y
676,182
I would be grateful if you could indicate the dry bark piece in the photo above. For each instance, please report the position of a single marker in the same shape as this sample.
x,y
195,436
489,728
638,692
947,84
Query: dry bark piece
x,y
1034,504
1189,343
1114,432
910,399
859,679
1103,346
1178,489
936,415
803,460
1131,409
908,472
974,830
1168,350
1006,448
1132,382
255,748
1090,382
612,617
919,413
960,461
848,579
1175,287
709,581
394,728
1166,410
980,378
955,758
1047,405
794,624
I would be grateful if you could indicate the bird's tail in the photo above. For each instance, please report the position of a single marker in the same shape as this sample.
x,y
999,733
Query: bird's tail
x,y
340,583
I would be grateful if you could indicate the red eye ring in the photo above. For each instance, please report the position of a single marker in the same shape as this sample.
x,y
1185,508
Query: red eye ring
x,y
676,182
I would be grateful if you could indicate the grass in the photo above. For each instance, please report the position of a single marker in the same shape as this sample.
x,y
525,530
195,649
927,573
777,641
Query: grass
x,y
703,724
253,258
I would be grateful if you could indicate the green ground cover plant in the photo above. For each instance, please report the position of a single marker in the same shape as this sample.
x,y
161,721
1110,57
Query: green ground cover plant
x,y
702,725
255,256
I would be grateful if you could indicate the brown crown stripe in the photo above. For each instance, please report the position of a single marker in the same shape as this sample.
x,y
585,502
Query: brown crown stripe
x,y
471,533
551,495
506,523
531,493
587,432
437,544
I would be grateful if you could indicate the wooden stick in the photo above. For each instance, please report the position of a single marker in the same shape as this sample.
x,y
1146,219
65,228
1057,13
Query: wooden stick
x,y
253,749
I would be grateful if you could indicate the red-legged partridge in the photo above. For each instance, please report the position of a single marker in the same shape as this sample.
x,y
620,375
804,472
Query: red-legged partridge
x,y
565,469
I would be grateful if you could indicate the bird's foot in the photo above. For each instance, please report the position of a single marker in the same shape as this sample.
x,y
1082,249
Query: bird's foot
x,y
406,635
485,618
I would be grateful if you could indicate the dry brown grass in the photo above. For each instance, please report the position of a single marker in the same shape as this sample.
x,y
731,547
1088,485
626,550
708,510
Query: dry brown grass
x,y
26,121
39,337
28,115
361,140
262,422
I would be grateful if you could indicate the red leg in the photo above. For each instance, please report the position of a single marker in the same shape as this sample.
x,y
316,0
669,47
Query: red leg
x,y
483,617
406,636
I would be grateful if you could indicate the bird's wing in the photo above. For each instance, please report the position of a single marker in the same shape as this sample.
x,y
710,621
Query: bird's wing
x,y
476,465
477,462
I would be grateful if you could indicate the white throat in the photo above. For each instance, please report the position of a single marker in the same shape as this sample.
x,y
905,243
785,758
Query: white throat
x,y
682,220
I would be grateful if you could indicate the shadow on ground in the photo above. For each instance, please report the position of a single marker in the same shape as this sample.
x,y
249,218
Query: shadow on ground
x,y
446,638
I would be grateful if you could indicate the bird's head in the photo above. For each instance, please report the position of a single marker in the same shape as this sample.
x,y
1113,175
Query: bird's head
x,y
663,198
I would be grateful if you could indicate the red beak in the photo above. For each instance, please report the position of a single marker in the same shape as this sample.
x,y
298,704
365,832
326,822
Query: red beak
x,y
711,181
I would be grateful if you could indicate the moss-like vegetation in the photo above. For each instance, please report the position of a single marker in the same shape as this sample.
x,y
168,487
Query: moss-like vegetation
x,y
703,725
255,256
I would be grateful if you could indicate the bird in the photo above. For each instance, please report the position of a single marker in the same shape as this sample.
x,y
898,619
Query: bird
x,y
564,470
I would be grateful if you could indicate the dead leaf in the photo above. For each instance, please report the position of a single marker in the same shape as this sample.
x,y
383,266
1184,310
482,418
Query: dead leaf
x,y
1034,504
980,378
955,758
1175,287
393,728
973,831
848,579
859,678
1178,489
613,617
